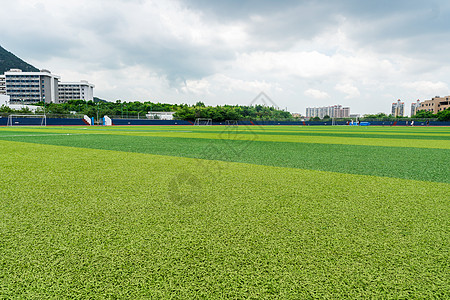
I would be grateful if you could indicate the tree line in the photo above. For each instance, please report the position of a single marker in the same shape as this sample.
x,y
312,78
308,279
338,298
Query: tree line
x,y
135,109
232,112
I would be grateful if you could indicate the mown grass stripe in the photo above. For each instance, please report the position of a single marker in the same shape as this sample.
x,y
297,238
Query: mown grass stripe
x,y
254,136
408,163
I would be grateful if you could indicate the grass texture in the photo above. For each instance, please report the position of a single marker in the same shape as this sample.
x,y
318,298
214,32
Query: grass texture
x,y
427,164
125,222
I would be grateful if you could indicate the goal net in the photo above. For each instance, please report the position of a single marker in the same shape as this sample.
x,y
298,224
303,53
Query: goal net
x,y
27,120
203,122
231,123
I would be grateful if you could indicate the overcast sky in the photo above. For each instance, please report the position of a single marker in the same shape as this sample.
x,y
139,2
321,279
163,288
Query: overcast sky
x,y
362,54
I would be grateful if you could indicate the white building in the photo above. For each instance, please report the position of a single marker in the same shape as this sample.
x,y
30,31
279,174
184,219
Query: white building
x,y
415,107
335,111
31,87
2,85
398,108
5,100
160,115
82,90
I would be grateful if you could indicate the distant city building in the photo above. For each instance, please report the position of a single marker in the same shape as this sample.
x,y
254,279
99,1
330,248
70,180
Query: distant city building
x,y
415,106
31,87
82,90
398,108
436,104
335,111
43,86
296,115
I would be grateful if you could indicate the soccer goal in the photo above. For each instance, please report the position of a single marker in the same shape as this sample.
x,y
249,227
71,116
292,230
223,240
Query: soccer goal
x,y
27,120
231,123
203,122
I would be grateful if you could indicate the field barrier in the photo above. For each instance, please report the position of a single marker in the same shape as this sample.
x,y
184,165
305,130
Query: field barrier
x,y
49,121
149,122
340,123
82,121
263,123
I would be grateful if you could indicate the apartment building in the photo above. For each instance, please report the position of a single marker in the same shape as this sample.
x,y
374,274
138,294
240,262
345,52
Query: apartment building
x,y
415,106
82,90
31,87
398,108
335,111
436,104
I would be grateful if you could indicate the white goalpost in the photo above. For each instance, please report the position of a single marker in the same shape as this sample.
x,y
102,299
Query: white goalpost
x,y
231,123
27,120
203,122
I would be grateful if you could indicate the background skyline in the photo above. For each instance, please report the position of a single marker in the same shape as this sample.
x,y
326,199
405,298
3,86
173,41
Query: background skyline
x,y
300,53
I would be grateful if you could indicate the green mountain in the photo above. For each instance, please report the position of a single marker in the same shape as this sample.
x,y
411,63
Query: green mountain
x,y
10,61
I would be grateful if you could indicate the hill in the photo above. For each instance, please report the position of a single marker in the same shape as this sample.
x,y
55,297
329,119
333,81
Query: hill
x,y
9,61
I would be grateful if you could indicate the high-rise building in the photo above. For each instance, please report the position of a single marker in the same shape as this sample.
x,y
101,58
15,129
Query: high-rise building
x,y
335,111
436,104
31,87
82,90
415,107
398,108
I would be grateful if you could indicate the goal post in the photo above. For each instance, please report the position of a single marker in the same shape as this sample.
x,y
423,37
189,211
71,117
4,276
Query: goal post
x,y
203,122
231,123
27,120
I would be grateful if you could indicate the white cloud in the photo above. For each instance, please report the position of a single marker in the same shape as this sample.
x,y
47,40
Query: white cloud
x,y
197,87
429,88
349,89
316,94
219,83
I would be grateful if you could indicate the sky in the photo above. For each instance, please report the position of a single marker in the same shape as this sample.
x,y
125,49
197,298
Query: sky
x,y
361,54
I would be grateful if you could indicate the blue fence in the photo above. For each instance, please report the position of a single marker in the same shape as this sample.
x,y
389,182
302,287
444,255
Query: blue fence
x,y
37,122
264,123
149,122
81,122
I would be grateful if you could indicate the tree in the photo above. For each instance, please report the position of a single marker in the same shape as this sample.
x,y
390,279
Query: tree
x,y
5,109
423,114
444,115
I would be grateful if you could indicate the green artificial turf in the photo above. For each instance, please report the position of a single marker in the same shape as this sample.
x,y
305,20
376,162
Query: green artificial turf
x,y
77,222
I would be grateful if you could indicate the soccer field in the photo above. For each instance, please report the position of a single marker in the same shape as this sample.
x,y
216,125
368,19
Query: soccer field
x,y
211,212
